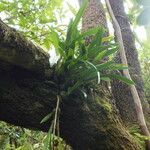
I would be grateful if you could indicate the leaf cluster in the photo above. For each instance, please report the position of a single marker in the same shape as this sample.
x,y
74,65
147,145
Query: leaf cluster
x,y
80,64
33,18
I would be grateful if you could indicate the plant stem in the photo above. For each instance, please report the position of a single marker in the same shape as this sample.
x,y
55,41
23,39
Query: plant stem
x,y
56,114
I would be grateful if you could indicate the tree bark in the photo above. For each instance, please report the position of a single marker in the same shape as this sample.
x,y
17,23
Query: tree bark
x,y
121,92
26,96
15,49
94,16
135,95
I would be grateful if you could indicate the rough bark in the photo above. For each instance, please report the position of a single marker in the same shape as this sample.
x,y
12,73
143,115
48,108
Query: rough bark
x,y
94,15
121,92
135,95
27,96
15,49
25,99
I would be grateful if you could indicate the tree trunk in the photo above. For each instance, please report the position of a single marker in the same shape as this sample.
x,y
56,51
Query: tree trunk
x,y
27,95
94,15
121,92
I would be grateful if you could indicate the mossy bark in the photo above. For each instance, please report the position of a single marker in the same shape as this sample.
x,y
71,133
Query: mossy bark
x,y
15,49
95,125
88,123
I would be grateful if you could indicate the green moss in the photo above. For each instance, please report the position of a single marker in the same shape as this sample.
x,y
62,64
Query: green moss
x,y
135,132
106,105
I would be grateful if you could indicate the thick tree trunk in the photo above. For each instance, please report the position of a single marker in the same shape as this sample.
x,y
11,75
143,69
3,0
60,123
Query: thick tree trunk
x,y
121,92
94,15
27,95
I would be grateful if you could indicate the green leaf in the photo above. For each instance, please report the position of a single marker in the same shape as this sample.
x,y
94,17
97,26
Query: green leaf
x,y
121,78
118,67
111,51
105,78
72,32
100,56
70,53
73,10
90,73
69,33
98,73
105,53
48,140
89,32
104,65
97,40
93,52
74,87
79,14
55,38
47,117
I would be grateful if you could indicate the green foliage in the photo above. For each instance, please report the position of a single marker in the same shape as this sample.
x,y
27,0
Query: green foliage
x,y
139,15
135,132
19,139
46,118
145,63
34,18
81,64
140,10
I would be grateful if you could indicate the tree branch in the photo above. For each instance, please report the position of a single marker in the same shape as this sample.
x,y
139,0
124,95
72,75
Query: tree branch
x,y
16,50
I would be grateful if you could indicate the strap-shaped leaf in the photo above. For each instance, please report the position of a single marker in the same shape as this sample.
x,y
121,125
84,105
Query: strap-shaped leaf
x,y
72,9
105,53
47,117
48,139
97,40
98,73
105,79
79,14
118,67
104,65
121,78
89,32
74,87
93,52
